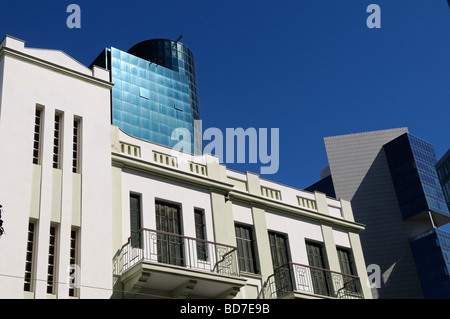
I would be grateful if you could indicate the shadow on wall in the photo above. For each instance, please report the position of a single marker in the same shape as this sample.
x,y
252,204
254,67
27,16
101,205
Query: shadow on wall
x,y
385,240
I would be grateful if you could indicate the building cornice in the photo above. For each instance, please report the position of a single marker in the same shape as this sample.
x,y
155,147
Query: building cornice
x,y
266,203
5,51
124,162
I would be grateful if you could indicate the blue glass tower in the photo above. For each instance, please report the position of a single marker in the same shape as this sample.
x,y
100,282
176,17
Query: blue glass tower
x,y
155,90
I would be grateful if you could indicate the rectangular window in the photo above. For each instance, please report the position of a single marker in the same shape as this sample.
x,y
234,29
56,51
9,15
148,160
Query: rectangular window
x,y
202,248
245,248
345,261
51,270
29,261
37,136
73,290
135,219
347,268
318,275
280,261
57,141
170,247
76,146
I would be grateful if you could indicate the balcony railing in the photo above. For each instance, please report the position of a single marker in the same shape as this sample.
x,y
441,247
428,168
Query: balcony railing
x,y
154,246
292,277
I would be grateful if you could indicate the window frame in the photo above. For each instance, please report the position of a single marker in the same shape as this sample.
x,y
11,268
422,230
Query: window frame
x,y
246,252
30,257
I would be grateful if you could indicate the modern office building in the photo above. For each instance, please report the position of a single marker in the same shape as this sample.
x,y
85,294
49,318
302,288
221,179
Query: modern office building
x,y
155,91
390,180
91,211
443,170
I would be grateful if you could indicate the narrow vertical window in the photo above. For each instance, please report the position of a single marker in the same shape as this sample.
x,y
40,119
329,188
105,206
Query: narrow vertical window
x,y
135,219
73,291
76,146
37,137
57,141
29,261
350,284
245,248
199,219
51,270
318,275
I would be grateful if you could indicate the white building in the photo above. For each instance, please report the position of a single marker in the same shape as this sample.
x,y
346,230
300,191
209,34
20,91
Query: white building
x,y
139,220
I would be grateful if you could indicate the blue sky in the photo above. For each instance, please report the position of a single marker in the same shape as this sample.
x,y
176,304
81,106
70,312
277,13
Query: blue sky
x,y
311,68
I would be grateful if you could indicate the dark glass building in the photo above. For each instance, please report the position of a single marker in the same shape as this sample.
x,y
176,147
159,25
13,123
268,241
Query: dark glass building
x,y
155,90
431,251
390,178
443,170
412,165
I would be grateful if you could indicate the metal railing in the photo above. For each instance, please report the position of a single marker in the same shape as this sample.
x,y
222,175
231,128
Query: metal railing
x,y
154,246
293,277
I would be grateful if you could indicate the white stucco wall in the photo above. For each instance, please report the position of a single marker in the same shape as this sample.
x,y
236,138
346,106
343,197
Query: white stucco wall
x,y
26,84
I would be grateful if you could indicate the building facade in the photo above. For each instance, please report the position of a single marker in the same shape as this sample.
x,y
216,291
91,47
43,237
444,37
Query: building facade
x,y
255,238
155,91
54,122
389,178
443,170
91,211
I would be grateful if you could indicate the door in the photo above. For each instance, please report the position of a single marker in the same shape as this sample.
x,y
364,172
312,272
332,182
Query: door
x,y
318,276
280,261
170,247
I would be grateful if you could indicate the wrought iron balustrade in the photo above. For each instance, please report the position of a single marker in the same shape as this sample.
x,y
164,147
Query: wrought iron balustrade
x,y
154,246
293,277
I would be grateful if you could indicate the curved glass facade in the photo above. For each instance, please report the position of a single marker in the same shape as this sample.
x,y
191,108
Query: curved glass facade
x,y
155,90
175,56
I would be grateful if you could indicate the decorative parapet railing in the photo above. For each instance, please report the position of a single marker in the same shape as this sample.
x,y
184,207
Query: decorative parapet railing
x,y
292,277
270,193
307,203
165,159
129,149
198,168
153,246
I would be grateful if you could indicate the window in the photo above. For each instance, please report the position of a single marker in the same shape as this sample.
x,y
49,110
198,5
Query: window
x,y
245,248
135,219
280,261
37,136
29,261
170,247
202,249
318,275
57,141
73,291
76,146
347,268
345,261
278,248
51,270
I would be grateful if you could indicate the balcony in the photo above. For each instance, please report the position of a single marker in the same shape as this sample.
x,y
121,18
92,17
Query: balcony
x,y
293,280
155,263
